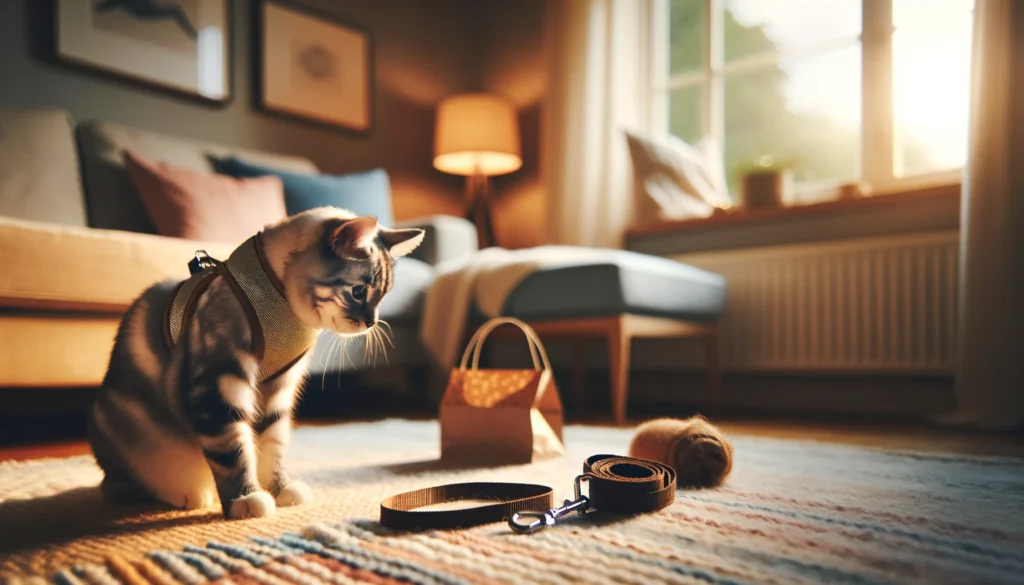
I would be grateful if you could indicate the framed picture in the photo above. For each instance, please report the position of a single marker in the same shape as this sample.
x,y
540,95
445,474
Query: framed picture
x,y
313,67
182,46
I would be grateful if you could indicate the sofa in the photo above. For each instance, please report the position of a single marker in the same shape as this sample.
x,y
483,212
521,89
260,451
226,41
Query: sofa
x,y
77,246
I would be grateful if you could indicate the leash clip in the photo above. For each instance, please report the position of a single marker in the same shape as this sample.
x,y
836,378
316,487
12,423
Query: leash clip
x,y
200,262
539,520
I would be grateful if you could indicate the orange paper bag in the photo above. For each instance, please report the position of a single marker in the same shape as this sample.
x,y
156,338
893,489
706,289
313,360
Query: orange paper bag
x,y
501,417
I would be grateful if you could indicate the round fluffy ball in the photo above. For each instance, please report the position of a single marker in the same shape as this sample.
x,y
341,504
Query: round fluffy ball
x,y
695,448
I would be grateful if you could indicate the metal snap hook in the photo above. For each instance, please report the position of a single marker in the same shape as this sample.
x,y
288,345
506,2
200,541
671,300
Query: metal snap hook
x,y
537,520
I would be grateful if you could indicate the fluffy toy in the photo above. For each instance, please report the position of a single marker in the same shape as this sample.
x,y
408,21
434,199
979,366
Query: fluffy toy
x,y
695,448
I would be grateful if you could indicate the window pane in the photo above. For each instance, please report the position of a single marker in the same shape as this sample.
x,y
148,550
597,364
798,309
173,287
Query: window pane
x,y
687,36
804,112
931,83
684,113
759,26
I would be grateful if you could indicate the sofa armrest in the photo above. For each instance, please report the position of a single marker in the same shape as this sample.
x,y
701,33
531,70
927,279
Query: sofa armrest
x,y
447,238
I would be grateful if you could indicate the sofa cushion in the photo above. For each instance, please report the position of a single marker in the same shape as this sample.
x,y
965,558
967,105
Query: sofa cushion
x,y
362,193
205,206
39,178
111,199
81,269
622,282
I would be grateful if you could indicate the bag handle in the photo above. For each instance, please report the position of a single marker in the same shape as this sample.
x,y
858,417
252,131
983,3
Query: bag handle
x,y
533,342
478,339
477,342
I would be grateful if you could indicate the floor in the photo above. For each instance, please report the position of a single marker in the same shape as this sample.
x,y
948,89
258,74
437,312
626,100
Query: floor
x,y
915,437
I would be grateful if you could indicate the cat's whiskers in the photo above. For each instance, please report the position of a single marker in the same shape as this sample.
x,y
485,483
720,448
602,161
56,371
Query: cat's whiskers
x,y
387,334
382,336
343,349
366,346
325,359
379,347
373,344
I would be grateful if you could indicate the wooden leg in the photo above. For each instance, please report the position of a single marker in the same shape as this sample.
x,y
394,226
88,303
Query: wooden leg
x,y
618,361
579,375
714,366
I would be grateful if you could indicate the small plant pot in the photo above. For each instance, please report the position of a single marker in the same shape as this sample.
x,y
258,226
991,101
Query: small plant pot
x,y
765,189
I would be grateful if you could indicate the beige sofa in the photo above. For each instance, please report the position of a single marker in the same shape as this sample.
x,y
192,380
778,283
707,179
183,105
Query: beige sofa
x,y
76,245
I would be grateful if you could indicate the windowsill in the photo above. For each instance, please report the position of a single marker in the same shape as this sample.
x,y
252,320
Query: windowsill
x,y
924,209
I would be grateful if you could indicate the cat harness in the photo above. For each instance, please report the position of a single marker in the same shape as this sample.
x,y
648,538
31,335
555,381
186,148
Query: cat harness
x,y
279,338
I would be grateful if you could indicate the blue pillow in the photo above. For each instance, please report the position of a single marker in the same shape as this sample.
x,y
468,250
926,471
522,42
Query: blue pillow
x,y
363,193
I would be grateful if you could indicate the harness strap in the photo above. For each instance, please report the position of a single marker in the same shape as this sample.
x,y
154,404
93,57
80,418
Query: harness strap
x,y
261,294
257,345
183,304
624,485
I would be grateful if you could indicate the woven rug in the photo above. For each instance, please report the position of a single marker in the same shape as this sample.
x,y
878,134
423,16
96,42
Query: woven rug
x,y
792,512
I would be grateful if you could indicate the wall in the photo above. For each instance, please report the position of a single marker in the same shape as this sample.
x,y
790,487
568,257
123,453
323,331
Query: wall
x,y
513,66
424,51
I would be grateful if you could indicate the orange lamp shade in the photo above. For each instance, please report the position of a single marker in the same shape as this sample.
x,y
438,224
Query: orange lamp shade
x,y
476,134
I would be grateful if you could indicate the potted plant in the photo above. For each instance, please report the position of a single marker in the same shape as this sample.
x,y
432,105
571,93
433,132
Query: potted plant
x,y
765,184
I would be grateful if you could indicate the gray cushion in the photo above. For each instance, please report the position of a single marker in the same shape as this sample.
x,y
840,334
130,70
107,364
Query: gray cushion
x,y
39,179
405,301
626,282
112,200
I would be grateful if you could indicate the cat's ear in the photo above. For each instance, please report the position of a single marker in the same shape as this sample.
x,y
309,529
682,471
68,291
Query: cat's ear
x,y
354,238
401,242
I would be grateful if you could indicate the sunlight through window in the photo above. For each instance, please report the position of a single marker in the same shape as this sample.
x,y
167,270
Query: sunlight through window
x,y
789,81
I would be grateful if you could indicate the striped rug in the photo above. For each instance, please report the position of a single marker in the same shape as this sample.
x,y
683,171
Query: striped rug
x,y
792,512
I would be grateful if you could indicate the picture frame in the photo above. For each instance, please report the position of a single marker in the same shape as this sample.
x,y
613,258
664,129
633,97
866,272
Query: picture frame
x,y
181,47
313,67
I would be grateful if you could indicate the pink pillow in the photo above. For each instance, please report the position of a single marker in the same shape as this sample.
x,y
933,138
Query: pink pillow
x,y
203,206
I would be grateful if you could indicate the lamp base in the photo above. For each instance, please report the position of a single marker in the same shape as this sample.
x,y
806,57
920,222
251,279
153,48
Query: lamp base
x,y
479,209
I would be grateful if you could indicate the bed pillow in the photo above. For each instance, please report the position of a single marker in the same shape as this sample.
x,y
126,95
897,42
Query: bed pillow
x,y
184,203
362,193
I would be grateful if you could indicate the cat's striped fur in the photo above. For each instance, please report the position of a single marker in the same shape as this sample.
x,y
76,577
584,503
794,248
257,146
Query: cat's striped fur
x,y
190,424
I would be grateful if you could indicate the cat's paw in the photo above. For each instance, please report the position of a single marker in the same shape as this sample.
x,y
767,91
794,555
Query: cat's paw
x,y
254,505
295,493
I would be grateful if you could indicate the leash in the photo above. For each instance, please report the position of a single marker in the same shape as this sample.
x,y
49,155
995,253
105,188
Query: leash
x,y
623,485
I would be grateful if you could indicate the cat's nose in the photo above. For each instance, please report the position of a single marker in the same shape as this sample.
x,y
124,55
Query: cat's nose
x,y
370,323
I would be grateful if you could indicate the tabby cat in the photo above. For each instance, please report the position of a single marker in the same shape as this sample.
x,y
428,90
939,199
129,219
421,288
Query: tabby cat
x,y
191,421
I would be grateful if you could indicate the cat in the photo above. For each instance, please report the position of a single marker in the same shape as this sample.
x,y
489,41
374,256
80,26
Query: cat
x,y
191,421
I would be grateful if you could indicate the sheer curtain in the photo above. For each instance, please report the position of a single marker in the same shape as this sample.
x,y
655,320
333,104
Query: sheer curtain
x,y
597,53
990,375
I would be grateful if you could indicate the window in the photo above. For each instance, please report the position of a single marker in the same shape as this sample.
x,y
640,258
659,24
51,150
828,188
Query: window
x,y
837,90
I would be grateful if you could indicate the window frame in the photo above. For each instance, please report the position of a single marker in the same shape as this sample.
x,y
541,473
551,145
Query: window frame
x,y
877,154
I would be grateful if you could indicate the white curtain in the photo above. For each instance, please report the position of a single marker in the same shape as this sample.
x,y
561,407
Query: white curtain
x,y
596,52
990,375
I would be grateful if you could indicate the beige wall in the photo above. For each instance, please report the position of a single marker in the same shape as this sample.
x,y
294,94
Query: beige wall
x,y
513,66
424,50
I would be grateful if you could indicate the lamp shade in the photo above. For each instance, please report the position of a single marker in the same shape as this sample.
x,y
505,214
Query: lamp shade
x,y
476,133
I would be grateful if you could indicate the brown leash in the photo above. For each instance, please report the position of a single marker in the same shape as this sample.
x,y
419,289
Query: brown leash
x,y
623,485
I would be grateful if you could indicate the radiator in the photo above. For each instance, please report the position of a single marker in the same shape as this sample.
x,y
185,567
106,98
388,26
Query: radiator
x,y
879,305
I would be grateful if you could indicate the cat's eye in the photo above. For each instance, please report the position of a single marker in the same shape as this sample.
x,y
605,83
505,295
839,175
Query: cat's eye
x,y
359,292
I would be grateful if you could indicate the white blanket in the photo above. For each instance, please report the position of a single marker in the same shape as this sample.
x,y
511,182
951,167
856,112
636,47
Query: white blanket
x,y
486,278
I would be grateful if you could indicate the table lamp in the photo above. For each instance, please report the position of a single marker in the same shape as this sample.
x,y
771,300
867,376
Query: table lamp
x,y
477,136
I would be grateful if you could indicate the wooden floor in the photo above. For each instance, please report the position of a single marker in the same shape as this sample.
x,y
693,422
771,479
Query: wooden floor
x,y
915,437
